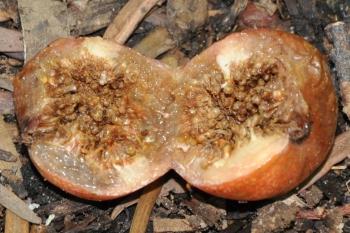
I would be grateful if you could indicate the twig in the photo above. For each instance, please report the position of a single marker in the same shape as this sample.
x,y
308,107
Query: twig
x,y
321,213
145,206
9,200
127,19
340,151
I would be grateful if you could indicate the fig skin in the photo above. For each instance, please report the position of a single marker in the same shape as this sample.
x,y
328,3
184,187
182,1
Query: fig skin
x,y
58,162
285,170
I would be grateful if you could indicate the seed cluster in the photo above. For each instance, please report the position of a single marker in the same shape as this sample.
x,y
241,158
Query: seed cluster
x,y
88,97
228,109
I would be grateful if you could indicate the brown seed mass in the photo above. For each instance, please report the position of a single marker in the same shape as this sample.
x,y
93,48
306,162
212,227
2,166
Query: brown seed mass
x,y
89,96
257,99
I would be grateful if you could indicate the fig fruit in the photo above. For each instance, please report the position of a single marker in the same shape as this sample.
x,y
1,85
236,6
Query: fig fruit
x,y
249,118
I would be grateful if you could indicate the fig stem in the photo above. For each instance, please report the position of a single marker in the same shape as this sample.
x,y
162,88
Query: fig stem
x,y
145,205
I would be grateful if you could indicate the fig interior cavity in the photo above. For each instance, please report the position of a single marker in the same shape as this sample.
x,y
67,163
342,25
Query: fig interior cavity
x,y
224,112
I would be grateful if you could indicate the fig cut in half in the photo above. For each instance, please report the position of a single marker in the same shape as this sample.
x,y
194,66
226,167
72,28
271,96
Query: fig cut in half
x,y
257,115
92,113
250,118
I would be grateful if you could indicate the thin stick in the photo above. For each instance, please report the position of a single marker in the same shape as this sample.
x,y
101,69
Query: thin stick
x,y
127,19
144,206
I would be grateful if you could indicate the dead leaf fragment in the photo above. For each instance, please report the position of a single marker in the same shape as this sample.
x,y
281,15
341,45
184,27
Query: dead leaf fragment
x,y
10,40
9,200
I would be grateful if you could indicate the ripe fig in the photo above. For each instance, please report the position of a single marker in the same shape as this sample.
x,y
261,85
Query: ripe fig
x,y
92,120
250,118
256,115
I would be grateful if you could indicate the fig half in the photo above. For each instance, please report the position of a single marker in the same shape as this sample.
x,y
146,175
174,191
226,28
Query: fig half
x,y
257,115
93,115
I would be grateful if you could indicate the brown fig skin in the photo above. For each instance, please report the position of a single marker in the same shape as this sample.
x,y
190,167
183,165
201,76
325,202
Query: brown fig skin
x,y
298,160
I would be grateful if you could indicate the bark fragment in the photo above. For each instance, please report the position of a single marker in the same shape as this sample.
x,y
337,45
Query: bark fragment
x,y
339,35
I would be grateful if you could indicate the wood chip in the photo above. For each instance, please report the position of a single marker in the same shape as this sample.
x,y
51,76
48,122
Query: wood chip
x,y
7,131
186,16
340,151
228,18
212,215
294,200
10,40
274,217
7,156
42,21
15,224
9,200
155,43
127,19
8,10
157,17
172,185
175,225
268,5
16,55
86,17
6,102
339,35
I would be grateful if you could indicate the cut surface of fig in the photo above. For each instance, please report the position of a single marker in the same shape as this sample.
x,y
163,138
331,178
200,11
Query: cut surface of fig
x,y
255,106
250,118
97,128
